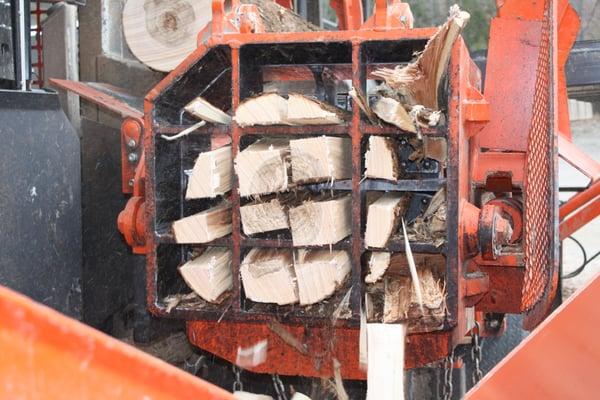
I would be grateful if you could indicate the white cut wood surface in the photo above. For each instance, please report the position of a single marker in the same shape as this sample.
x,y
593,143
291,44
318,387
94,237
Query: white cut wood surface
x,y
262,167
266,216
204,226
321,222
392,112
265,109
385,373
205,111
381,159
303,110
319,273
379,262
211,176
383,218
268,276
162,33
321,159
209,275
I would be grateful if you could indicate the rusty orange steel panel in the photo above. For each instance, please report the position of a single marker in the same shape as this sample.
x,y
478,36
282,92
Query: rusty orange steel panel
x,y
45,355
510,85
559,360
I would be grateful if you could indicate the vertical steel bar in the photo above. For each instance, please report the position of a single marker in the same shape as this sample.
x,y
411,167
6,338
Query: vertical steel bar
x,y
236,132
356,178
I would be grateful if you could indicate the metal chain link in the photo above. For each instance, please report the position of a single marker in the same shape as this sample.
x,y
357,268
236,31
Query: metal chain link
x,y
279,387
476,354
238,386
448,366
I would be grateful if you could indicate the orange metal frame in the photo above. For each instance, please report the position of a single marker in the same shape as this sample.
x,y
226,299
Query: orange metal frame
x,y
45,355
490,132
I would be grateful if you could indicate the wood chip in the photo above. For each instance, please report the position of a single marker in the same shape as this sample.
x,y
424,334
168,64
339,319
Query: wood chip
x,y
379,262
205,111
204,226
317,223
385,375
359,98
250,357
319,273
303,110
381,159
383,218
321,159
268,276
265,109
209,275
392,112
211,176
239,395
262,168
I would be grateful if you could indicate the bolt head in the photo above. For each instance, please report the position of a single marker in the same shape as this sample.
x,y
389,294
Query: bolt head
x,y
131,143
131,182
132,157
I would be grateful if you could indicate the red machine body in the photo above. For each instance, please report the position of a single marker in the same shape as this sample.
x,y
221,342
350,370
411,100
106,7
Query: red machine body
x,y
501,180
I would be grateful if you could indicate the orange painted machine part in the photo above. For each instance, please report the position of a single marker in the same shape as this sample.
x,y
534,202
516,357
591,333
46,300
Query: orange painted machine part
x,y
560,359
45,355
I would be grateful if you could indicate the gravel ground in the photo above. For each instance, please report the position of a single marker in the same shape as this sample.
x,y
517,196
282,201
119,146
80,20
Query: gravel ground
x,y
586,135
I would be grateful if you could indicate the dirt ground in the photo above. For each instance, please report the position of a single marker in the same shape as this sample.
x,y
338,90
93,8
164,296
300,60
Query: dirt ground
x,y
586,134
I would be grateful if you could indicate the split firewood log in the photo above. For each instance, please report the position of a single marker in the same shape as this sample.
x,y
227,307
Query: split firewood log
x,y
209,275
393,112
324,222
381,159
304,110
264,109
264,216
418,82
321,159
262,168
204,226
211,175
276,18
383,218
379,262
205,111
385,370
268,276
319,273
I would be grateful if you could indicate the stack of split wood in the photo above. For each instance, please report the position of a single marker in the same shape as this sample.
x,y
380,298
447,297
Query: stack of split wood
x,y
408,96
391,295
279,276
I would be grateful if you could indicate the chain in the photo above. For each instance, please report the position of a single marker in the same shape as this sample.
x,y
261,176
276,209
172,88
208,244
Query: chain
x,y
279,387
448,366
476,354
237,383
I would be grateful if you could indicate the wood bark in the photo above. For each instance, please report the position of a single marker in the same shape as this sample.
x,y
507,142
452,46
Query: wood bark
x,y
268,276
319,273
276,18
381,159
211,176
321,159
383,218
209,275
262,168
325,222
204,226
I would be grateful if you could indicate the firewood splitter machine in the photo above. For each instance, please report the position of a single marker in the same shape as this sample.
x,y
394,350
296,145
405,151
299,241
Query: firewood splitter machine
x,y
504,141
